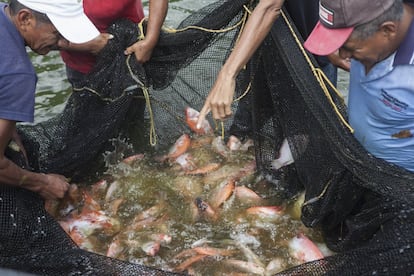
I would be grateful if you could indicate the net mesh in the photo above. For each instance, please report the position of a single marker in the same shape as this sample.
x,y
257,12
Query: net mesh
x,y
363,205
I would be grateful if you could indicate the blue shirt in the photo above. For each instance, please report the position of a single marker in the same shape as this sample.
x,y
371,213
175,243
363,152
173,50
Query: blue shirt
x,y
381,105
17,75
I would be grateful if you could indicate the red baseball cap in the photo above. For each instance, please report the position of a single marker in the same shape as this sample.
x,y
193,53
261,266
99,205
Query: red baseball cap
x,y
337,19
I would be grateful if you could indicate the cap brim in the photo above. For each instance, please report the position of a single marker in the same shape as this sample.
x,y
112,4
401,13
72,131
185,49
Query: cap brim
x,y
324,41
78,29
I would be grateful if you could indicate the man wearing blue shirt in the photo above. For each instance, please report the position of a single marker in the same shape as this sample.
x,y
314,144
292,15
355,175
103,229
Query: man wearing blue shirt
x,y
378,36
40,25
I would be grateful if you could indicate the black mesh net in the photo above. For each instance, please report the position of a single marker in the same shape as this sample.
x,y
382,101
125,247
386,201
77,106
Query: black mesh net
x,y
362,205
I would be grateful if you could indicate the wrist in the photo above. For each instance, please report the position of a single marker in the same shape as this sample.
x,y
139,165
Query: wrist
x,y
229,71
22,180
33,181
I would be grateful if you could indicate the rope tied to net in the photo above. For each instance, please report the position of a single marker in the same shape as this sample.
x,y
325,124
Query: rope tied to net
x,y
320,76
139,84
145,92
141,35
193,27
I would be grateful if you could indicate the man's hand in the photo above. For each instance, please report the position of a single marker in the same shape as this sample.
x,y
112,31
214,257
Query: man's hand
x,y
142,50
336,60
51,186
256,29
220,99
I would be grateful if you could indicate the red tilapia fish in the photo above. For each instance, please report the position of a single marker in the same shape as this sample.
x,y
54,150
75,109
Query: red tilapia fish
x,y
131,159
180,146
202,210
81,227
191,117
303,249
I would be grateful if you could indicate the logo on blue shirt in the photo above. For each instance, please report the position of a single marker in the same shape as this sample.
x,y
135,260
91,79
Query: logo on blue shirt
x,y
392,102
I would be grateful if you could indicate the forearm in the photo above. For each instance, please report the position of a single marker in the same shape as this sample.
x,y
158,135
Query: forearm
x,y
13,175
10,173
49,186
157,13
94,46
256,29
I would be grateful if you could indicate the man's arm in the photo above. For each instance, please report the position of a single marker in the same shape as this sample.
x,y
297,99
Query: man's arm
x,y
143,48
257,27
94,46
49,186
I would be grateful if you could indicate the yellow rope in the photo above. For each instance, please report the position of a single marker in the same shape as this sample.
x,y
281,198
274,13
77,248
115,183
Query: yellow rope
x,y
153,135
140,84
172,30
247,9
141,28
318,197
244,93
320,77
78,89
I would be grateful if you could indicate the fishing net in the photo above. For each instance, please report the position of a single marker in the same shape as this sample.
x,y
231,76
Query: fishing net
x,y
362,205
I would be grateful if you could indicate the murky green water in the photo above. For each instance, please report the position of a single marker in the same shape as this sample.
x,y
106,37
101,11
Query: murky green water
x,y
165,215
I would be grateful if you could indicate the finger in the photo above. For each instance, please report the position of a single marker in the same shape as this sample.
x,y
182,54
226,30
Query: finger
x,y
203,113
128,51
223,111
227,110
63,43
220,112
215,111
131,49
